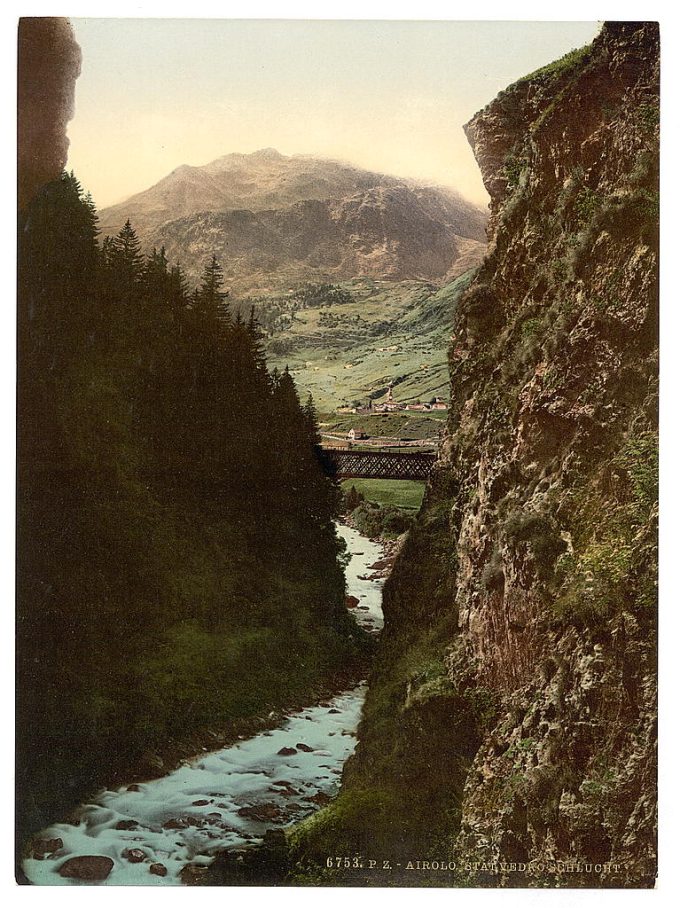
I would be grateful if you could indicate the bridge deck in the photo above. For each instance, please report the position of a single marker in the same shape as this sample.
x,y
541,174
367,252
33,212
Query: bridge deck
x,y
352,464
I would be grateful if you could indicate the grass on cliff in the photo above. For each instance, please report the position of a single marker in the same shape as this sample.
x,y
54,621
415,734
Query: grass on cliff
x,y
570,61
615,545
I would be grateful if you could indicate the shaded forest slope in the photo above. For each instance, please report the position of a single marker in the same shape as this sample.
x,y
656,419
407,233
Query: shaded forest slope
x,y
177,572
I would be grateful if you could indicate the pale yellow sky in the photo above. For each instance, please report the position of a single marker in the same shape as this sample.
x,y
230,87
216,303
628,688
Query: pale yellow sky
x,y
385,95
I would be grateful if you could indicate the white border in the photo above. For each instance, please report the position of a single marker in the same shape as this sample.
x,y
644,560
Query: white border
x,y
670,338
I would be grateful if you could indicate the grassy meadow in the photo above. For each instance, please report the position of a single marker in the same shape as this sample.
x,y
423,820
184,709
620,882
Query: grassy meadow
x,y
388,333
397,493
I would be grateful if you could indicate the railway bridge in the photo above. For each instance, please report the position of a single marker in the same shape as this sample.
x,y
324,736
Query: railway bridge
x,y
348,463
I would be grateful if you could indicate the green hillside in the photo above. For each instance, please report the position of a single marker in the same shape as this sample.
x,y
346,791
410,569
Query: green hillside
x,y
351,345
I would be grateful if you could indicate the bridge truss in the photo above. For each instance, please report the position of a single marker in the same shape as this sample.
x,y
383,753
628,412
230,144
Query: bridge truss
x,y
352,464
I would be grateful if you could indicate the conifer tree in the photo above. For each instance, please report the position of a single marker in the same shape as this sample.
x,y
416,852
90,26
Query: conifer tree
x,y
144,411
128,260
210,299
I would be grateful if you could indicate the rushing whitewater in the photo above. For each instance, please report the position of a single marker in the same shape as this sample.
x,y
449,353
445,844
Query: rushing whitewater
x,y
153,830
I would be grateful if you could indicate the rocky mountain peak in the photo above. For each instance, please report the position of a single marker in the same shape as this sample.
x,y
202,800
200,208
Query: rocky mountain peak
x,y
308,218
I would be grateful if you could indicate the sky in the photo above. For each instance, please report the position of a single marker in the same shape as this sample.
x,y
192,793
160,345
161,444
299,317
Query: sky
x,y
390,96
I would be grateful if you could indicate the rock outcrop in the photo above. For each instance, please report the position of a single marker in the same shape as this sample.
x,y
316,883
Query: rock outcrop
x,y
48,65
510,725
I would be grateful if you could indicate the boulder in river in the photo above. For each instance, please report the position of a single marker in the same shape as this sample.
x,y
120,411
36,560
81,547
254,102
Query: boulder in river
x,y
126,824
203,802
351,601
193,874
286,790
89,867
263,813
176,823
287,752
320,798
194,821
158,869
305,748
264,864
380,565
41,847
134,855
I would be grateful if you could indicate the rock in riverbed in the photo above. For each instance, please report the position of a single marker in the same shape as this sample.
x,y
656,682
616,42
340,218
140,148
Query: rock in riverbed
x,y
263,813
89,867
41,847
193,874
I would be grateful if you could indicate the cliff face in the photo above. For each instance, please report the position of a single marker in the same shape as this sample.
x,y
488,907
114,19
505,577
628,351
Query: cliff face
x,y
556,577
47,68
510,722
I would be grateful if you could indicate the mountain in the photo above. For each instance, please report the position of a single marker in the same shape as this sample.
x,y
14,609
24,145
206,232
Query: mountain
x,y
275,220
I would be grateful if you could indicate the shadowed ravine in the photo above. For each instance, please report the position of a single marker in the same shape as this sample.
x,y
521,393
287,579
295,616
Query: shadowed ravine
x,y
152,831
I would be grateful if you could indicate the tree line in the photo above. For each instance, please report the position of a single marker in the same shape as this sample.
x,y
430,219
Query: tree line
x,y
178,561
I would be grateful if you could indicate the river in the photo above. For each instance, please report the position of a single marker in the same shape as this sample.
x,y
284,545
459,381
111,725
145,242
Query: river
x,y
152,831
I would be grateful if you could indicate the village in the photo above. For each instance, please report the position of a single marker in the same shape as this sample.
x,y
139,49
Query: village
x,y
388,405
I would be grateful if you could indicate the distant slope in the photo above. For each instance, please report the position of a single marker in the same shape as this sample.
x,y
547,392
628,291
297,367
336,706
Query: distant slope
x,y
390,333
273,220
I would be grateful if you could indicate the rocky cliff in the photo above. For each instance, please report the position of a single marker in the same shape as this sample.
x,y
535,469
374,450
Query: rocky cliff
x,y
48,65
510,725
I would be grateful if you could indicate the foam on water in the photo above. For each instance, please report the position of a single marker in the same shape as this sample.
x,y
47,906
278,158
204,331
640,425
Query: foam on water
x,y
364,554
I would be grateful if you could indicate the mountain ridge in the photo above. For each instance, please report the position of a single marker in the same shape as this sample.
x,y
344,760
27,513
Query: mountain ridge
x,y
303,216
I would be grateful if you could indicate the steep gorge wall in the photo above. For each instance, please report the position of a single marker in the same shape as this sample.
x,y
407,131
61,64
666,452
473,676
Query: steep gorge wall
x,y
511,714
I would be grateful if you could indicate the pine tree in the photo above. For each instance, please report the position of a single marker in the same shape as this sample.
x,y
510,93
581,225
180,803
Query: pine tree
x,y
179,295
58,258
154,275
127,258
210,299
311,421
